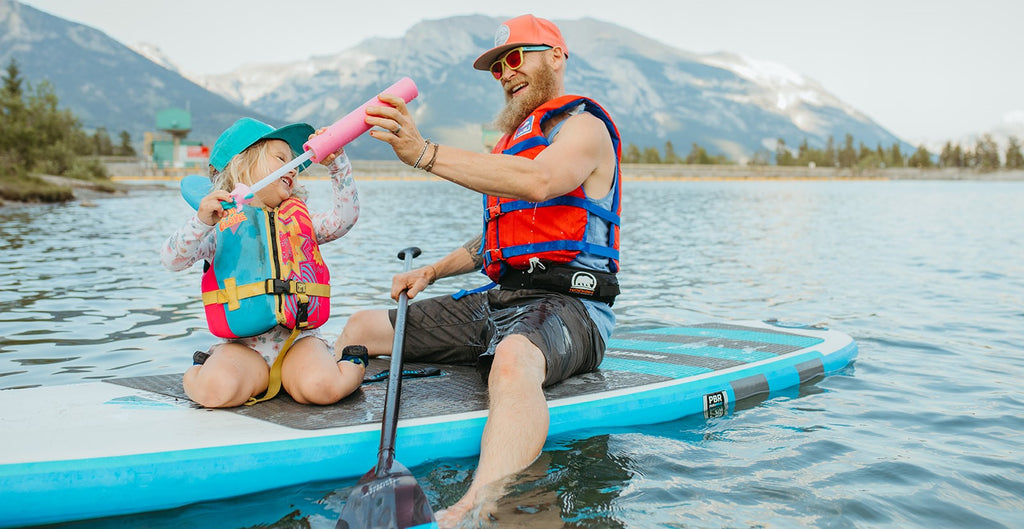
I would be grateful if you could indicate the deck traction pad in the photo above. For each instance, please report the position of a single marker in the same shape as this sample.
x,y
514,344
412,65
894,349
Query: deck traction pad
x,y
458,389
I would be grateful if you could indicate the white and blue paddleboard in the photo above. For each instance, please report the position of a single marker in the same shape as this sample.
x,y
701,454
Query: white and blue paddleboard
x,y
138,444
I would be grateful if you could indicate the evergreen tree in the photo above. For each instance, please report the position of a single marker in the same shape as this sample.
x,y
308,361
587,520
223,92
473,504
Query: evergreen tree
x,y
36,136
782,155
14,127
670,154
968,158
125,149
829,159
13,80
102,145
847,155
697,155
1014,158
650,155
895,156
803,153
987,154
632,154
921,158
946,155
863,153
760,158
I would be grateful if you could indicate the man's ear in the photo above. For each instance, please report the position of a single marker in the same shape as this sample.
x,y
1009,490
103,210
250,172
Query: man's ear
x,y
558,57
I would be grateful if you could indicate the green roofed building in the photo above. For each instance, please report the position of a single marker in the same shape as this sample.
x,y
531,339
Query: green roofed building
x,y
177,152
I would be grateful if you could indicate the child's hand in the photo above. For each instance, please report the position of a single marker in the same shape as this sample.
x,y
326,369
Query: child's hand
x,y
210,208
329,158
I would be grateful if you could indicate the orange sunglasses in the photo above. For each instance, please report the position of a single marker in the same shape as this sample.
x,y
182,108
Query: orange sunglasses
x,y
513,59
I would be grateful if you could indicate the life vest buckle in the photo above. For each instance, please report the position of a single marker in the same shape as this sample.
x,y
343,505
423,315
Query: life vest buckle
x,y
493,254
494,211
277,286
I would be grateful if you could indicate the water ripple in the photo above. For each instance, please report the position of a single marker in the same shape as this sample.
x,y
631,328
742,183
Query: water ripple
x,y
923,431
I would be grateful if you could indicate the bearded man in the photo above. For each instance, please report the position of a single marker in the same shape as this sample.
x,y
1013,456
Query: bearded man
x,y
550,243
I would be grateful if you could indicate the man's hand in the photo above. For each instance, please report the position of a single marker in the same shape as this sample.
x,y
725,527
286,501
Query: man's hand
x,y
412,282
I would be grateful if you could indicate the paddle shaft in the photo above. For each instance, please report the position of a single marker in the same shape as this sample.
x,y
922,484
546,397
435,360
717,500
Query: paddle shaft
x,y
389,426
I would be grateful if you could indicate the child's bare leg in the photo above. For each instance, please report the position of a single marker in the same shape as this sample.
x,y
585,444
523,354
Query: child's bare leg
x,y
229,377
311,375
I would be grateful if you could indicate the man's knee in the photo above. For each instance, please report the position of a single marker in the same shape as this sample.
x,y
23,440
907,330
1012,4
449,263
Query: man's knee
x,y
517,358
370,328
359,323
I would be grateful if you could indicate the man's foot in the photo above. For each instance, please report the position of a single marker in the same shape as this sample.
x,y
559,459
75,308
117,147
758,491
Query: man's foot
x,y
451,517
466,513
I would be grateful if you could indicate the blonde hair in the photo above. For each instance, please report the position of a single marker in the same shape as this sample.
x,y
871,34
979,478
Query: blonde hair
x,y
248,167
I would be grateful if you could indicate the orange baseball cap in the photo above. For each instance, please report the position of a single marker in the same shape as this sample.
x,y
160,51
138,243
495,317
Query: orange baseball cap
x,y
526,30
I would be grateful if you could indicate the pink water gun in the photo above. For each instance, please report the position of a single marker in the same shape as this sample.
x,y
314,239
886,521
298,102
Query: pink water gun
x,y
323,145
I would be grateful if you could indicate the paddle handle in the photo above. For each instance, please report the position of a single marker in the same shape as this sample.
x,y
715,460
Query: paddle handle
x,y
353,124
389,427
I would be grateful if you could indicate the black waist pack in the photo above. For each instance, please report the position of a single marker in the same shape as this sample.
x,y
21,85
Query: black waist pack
x,y
578,282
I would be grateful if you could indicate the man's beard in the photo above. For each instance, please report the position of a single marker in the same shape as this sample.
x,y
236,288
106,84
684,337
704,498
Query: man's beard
x,y
541,90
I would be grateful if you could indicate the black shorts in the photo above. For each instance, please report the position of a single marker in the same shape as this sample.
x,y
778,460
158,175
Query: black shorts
x,y
466,331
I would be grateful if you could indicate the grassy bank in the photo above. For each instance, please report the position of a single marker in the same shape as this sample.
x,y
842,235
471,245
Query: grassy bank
x,y
48,189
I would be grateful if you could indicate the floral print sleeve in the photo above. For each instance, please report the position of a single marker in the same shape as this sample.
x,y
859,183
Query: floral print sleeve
x,y
337,222
193,242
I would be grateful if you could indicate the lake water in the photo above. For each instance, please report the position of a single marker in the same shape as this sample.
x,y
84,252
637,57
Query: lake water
x,y
924,430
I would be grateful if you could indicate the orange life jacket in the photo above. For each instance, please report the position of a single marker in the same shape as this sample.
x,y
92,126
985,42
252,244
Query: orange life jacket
x,y
518,231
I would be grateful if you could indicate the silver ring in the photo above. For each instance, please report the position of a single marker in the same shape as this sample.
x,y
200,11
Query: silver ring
x,y
396,131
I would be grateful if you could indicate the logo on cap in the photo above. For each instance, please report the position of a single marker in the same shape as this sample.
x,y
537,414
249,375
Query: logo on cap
x,y
501,35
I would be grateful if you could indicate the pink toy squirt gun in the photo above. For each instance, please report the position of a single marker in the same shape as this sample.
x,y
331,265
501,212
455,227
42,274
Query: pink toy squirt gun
x,y
337,135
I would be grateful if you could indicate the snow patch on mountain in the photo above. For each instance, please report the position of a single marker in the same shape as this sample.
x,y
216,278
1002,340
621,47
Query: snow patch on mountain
x,y
157,56
783,90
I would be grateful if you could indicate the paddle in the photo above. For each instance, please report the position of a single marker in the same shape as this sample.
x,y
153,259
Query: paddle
x,y
388,496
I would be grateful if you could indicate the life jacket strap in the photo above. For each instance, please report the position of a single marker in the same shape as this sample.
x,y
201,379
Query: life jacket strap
x,y
232,293
274,381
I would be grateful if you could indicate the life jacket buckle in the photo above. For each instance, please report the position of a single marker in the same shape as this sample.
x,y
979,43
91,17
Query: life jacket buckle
x,y
494,211
277,286
493,254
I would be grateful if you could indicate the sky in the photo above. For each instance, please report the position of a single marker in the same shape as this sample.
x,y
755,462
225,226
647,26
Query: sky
x,y
927,70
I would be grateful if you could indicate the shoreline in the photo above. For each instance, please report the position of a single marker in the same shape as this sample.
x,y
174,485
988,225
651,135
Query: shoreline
x,y
395,170
86,192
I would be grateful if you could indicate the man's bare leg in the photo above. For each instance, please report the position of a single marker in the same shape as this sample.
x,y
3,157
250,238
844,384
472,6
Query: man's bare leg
x,y
517,422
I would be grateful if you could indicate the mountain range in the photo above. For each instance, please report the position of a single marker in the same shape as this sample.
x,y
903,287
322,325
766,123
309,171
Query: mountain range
x,y
104,82
655,93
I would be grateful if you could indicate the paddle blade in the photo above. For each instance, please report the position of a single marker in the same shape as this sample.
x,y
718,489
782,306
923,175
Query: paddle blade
x,y
394,501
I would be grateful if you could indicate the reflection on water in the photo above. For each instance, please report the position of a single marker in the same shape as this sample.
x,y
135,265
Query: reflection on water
x,y
921,432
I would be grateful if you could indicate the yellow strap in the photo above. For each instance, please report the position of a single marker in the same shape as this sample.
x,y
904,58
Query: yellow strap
x,y
310,289
231,293
274,382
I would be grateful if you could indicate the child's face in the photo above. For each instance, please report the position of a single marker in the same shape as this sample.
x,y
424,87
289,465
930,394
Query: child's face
x,y
278,154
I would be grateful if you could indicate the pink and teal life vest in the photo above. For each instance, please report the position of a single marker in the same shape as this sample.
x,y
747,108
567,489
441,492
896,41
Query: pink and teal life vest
x,y
267,271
